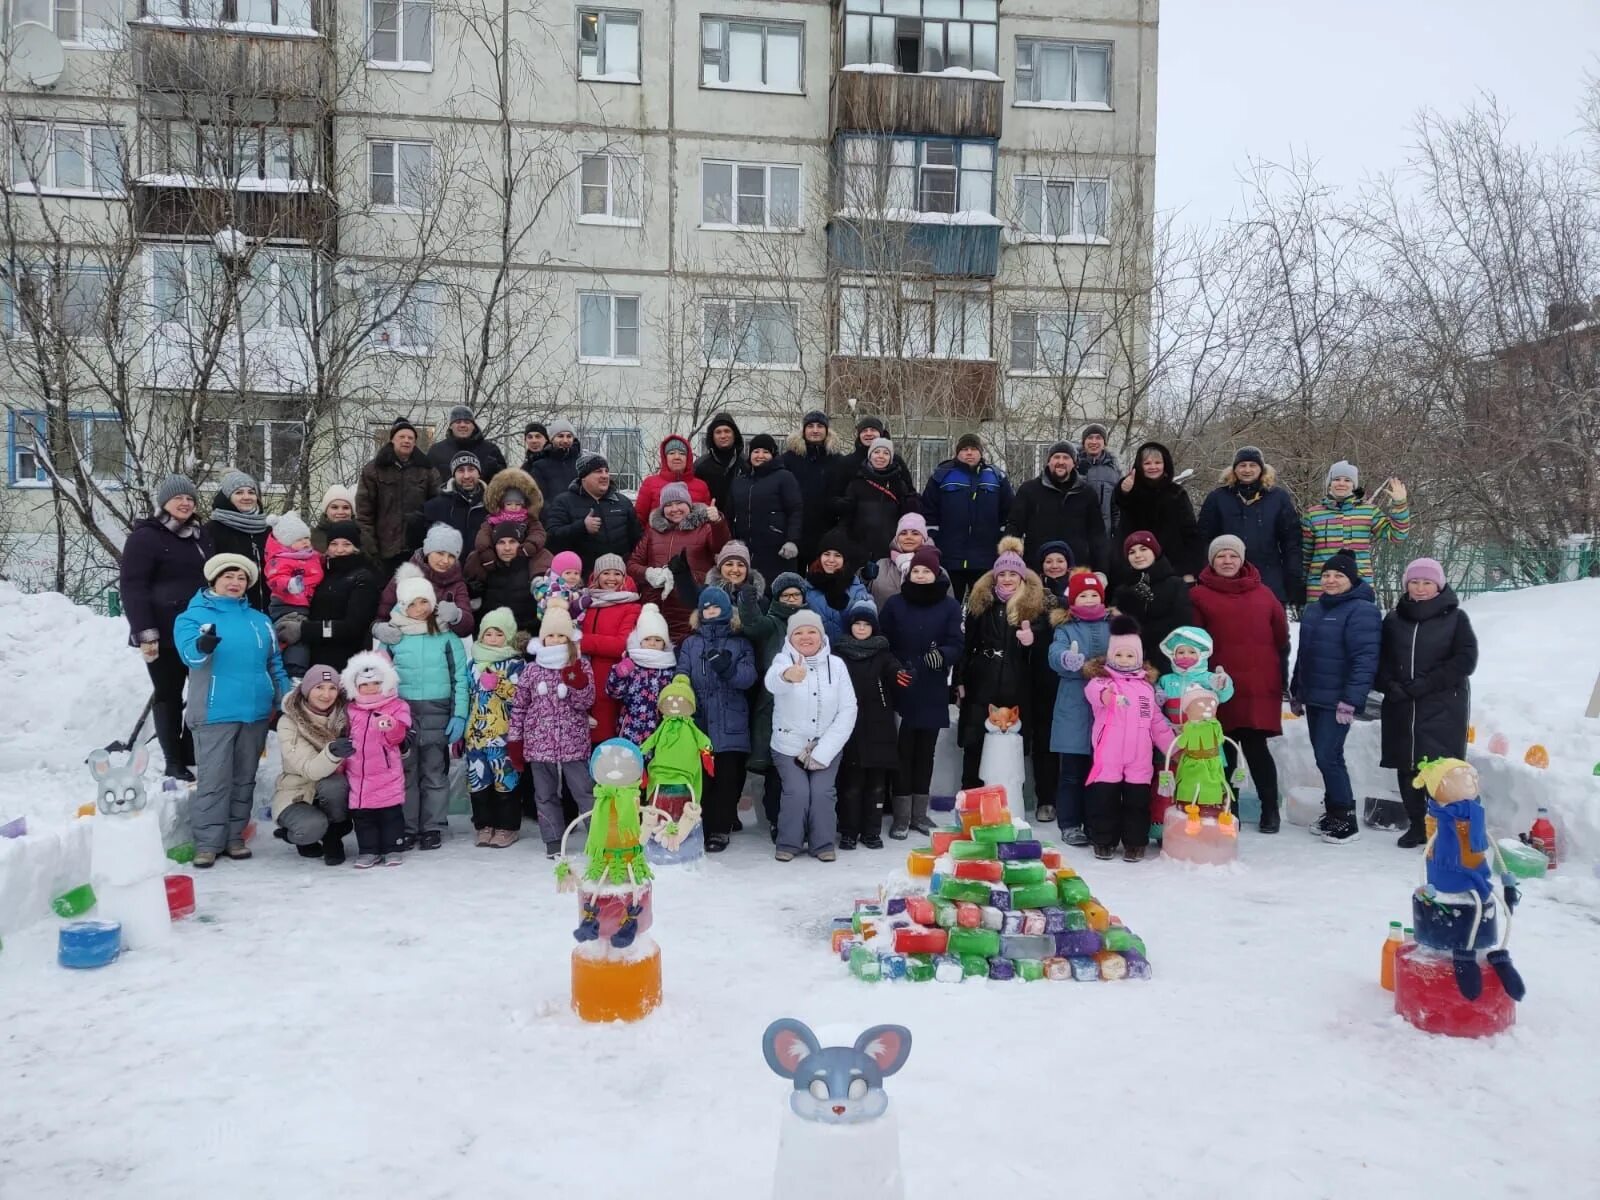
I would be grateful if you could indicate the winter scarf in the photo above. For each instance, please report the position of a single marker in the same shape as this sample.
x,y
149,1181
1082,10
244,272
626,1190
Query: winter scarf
x,y
925,595
487,656
250,522
1085,612
407,625
553,658
361,701
654,660
835,588
858,649
1005,593
622,865
596,598
184,529
679,754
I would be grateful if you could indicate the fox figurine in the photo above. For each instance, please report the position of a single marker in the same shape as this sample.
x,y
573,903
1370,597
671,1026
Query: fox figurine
x,y
1002,762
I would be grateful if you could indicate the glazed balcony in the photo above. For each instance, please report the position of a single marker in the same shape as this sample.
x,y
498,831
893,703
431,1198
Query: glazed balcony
x,y
926,247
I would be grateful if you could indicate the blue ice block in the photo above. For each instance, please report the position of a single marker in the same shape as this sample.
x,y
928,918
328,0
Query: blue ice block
x,y
82,945
1084,970
1055,920
1006,851
1001,968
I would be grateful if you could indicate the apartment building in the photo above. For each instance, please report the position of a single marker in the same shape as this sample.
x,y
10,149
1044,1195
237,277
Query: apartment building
x,y
253,231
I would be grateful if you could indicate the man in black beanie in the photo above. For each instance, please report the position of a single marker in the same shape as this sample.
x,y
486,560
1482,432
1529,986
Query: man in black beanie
x,y
1058,506
811,456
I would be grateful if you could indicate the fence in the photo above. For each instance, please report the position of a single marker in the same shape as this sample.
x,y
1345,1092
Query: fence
x,y
1473,570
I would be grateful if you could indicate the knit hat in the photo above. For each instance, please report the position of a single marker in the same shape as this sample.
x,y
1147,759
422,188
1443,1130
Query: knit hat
x,y
1062,447
1085,581
862,610
675,493
336,491
590,463
610,562
1010,557
679,689
442,539
882,443
1248,454
785,581
734,549
398,425
561,425
1345,563
803,619
218,563
502,619
1343,470
1192,693
1124,636
535,427
912,521
1089,430
1225,541
411,584
711,596
315,675
514,531
650,624
513,496
1056,547
557,620
346,530
1187,635
816,417
675,440
1424,568
1141,537
465,458
565,561
870,423
289,528
925,555
174,486
765,441
969,441
462,413
838,541
233,479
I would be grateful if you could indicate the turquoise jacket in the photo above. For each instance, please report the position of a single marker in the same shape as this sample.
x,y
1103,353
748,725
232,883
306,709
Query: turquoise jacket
x,y
243,678
433,666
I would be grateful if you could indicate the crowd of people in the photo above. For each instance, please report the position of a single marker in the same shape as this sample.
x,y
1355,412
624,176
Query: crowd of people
x,y
817,612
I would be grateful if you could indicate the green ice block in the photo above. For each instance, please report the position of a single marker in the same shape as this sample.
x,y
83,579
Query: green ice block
x,y
1522,860
1076,920
183,852
1004,831
974,965
1030,969
944,913
1033,895
919,968
1025,871
960,851
1118,938
864,965
985,943
79,900
1074,891
974,891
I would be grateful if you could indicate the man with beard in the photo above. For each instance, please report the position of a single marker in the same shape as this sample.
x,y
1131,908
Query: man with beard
x,y
557,468
722,458
464,437
1058,506
811,458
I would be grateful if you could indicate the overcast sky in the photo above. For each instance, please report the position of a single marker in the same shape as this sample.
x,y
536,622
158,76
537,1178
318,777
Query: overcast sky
x,y
1343,79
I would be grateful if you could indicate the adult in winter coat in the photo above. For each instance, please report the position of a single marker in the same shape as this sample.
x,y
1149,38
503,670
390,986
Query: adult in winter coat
x,y
1059,506
611,611
1424,666
557,468
721,665
392,490
503,576
1342,520
1250,641
464,437
884,577
722,458
439,560
677,466
870,756
311,800
832,586
677,527
1251,507
876,499
1152,594
765,508
1099,469
163,563
812,456
236,679
339,619
535,441
1340,633
868,430
813,715
338,504
238,526
513,497
1149,499
967,501
591,517
460,505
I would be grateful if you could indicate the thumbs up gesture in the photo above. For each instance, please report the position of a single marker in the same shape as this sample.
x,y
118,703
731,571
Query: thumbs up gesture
x,y
1071,658
1025,634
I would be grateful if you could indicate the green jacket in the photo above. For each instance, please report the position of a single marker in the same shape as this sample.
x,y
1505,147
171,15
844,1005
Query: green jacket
x,y
677,752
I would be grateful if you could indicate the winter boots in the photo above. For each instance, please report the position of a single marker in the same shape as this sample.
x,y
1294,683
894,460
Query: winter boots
x,y
1416,836
1341,827
1270,822
919,814
900,806
589,926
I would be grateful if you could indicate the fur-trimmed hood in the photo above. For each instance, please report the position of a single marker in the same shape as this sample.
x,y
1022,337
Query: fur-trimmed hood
x,y
797,443
506,479
695,519
1269,477
360,662
1027,605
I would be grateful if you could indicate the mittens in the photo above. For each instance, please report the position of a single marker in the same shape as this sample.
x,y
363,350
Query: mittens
x,y
297,586
869,572
488,681
721,661
788,550
386,632
902,678
1025,634
624,667
1167,784
658,577
448,613
208,640
457,728
1072,659
561,691
542,689
1344,713
341,747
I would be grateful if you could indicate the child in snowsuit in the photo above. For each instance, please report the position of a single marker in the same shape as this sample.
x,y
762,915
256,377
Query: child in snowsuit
x,y
563,580
550,722
492,770
513,498
1154,595
1128,728
869,756
721,668
433,681
1081,634
294,569
1342,521
635,683
380,725
1188,648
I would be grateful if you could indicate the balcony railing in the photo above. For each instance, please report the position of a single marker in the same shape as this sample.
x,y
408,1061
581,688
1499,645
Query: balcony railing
x,y
964,391
888,102
926,248
225,64
190,209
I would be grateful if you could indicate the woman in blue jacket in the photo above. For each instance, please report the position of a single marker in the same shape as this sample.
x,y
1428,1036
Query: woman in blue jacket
x,y
236,680
1340,635
721,665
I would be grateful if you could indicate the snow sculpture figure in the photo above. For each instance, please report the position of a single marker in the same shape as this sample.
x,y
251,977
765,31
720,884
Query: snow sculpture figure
x,y
128,861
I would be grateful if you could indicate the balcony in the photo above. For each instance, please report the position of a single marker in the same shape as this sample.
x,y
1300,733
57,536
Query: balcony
x,y
227,65
929,248
892,102
167,206
909,390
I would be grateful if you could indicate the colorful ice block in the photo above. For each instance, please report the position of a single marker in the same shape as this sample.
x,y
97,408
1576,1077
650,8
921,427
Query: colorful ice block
x,y
943,837
944,913
988,802
1078,943
947,969
919,863
1112,965
969,820
1055,919
848,946
969,849
864,965
1074,890
1033,895
1084,969
1028,945
1058,969
993,835
840,937
920,910
1030,969
993,918
1001,968
983,942
968,916
1117,937
974,966
893,966
913,940
1073,918
1033,921
1098,917
1023,871
986,869
1050,856
1138,964
895,905
1012,922
1000,897
1021,850
919,968
974,891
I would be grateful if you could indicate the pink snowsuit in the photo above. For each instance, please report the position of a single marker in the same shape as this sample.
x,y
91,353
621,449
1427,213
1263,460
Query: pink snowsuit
x,y
1125,731
552,728
376,774
285,565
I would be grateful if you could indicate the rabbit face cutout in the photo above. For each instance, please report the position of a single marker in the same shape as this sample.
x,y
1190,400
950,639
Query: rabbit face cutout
x,y
121,788
836,1085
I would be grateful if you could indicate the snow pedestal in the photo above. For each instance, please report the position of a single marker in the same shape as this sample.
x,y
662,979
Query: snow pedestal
x,y
818,1160
1208,843
1425,993
128,874
1303,805
609,984
672,800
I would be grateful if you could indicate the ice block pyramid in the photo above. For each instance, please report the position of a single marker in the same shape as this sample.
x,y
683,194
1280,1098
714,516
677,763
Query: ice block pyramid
x,y
986,900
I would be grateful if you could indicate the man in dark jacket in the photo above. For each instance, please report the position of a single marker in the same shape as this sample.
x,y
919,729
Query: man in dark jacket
x,y
389,497
722,459
811,458
1251,506
460,505
535,441
1099,469
592,517
968,501
464,437
1059,506
557,467
765,509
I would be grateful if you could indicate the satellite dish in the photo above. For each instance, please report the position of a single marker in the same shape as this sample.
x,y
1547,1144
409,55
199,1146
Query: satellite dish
x,y
348,277
36,54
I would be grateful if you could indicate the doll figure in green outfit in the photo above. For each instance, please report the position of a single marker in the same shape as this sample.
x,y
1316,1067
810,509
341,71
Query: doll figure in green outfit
x,y
680,757
615,868
1201,780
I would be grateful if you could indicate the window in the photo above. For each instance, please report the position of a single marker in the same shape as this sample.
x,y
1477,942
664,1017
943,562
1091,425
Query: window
x,y
74,303
736,195
246,156
608,189
930,175
623,450
1064,209
84,160
94,438
286,15
608,45
922,454
1068,74
267,450
399,174
90,24
913,320
187,284
750,333
1025,459
608,328
1049,342
401,34
403,318
917,36
752,56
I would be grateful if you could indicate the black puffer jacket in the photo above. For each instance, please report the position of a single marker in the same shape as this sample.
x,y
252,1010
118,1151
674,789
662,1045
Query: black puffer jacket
x,y
564,517
509,585
1428,652
490,460
555,471
339,618
872,506
462,512
1163,508
1046,511
161,572
995,668
812,466
1159,600
225,540
718,468
872,674
766,512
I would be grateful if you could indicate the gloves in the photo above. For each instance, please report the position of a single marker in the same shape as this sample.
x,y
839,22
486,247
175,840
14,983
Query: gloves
x,y
448,614
902,678
934,659
456,730
870,571
1513,894
1297,708
208,639
721,661
1344,713
515,755
150,650
341,747
287,628
561,691
658,577
1167,784
1219,679
297,586
1025,634
748,595
488,681
624,667
386,632
1071,658
788,550
543,689
408,743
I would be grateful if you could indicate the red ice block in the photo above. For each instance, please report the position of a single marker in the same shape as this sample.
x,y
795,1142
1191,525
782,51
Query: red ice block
x,y
1425,994
920,910
180,896
943,837
980,868
1051,858
969,916
920,941
988,802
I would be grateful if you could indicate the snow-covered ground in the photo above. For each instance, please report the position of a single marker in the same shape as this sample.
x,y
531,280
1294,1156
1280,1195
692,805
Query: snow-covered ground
x,y
323,1032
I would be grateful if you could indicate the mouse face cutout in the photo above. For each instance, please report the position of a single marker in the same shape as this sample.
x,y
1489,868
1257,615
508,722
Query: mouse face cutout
x,y
836,1085
120,788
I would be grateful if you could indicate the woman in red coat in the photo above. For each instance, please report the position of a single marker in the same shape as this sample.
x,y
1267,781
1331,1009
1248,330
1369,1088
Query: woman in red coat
x,y
697,531
677,466
612,612
1250,638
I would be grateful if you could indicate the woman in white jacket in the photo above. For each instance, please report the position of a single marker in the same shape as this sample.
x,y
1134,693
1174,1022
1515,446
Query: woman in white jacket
x,y
813,713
